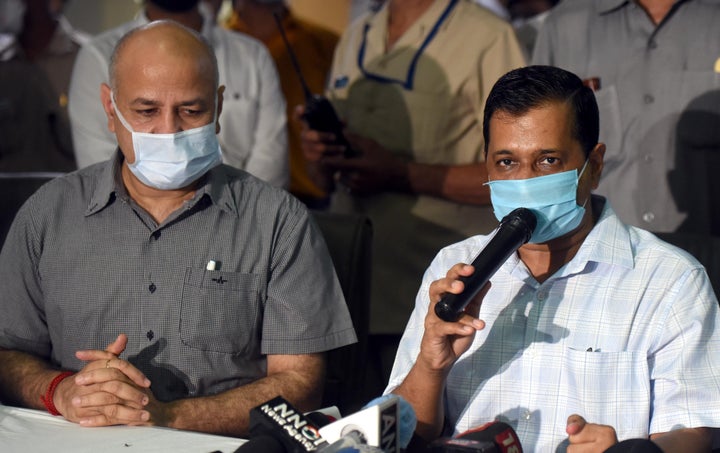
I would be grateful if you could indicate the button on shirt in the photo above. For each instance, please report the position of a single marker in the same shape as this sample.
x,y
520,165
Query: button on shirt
x,y
82,264
253,134
625,334
651,77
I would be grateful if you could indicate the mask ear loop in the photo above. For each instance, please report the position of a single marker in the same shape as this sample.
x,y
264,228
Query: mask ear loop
x,y
582,170
122,119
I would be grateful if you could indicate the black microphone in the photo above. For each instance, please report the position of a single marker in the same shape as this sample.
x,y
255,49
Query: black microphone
x,y
514,230
493,437
278,419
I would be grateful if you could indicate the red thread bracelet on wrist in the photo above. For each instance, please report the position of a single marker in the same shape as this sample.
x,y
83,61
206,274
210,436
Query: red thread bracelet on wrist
x,y
47,399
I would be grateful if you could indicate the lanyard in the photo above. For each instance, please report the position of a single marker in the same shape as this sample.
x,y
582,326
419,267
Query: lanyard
x,y
408,82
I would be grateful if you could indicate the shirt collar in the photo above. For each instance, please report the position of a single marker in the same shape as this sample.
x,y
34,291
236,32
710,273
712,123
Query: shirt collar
x,y
236,23
65,39
607,6
416,33
207,27
104,192
608,242
215,184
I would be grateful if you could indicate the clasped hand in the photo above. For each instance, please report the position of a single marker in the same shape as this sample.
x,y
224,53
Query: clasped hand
x,y
107,391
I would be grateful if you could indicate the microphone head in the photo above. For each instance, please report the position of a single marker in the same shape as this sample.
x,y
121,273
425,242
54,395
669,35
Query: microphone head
x,y
501,434
320,419
277,418
407,420
387,422
521,218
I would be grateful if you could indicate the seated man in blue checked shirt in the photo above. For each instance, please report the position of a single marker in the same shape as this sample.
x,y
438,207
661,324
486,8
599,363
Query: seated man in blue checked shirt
x,y
161,287
594,332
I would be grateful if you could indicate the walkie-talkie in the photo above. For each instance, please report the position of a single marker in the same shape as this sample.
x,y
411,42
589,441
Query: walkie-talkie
x,y
319,112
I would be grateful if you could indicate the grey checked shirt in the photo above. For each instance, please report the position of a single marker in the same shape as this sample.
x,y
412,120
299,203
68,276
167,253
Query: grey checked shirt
x,y
83,263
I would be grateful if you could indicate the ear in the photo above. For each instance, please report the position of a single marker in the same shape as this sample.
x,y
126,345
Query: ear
x,y
220,92
596,160
107,105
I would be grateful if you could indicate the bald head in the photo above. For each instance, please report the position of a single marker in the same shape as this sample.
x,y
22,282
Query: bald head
x,y
163,80
161,44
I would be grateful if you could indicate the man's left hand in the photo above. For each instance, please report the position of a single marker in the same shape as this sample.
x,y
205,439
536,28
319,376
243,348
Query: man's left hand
x,y
106,374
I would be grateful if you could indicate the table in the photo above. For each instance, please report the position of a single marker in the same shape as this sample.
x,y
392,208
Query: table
x,y
31,431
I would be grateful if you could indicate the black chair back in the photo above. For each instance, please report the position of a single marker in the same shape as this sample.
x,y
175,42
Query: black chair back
x,y
15,188
349,240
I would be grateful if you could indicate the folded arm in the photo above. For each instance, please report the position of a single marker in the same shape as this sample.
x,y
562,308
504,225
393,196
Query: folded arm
x,y
376,169
297,378
111,391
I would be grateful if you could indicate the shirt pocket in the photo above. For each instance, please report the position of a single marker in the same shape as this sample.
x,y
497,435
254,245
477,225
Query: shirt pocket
x,y
220,311
611,388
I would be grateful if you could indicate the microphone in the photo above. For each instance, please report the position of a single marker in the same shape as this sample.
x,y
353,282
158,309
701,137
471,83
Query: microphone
x,y
387,422
493,437
350,443
279,420
515,230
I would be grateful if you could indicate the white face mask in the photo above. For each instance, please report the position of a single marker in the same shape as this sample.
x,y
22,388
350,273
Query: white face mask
x,y
172,161
12,16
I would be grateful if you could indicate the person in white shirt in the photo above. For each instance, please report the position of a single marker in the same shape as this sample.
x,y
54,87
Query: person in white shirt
x,y
595,336
253,134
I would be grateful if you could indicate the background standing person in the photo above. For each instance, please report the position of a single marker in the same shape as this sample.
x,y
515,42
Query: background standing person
x,y
38,47
162,287
253,132
649,62
313,46
410,82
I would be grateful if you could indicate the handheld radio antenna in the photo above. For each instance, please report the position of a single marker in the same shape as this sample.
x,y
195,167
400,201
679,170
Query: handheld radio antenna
x,y
319,112
293,58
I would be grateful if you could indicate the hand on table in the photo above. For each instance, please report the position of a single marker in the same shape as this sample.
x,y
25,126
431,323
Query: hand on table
x,y
107,391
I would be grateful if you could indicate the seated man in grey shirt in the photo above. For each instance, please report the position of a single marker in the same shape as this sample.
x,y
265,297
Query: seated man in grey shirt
x,y
162,287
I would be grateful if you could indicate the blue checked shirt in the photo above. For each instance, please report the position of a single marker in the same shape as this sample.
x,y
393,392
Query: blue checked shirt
x,y
624,334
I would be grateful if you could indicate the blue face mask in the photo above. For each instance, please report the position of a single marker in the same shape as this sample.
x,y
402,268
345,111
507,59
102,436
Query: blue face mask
x,y
553,199
172,161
